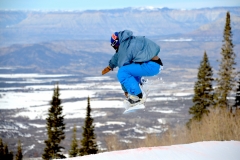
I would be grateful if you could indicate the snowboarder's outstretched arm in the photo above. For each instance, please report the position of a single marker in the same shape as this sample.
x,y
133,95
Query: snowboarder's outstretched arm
x,y
112,64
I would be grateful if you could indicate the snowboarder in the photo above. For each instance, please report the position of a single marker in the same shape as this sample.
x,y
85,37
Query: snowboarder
x,y
136,57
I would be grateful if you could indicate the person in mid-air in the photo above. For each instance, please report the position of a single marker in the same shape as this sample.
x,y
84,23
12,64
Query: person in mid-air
x,y
136,56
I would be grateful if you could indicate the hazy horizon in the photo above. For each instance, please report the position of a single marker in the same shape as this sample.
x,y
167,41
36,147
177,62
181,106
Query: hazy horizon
x,y
107,4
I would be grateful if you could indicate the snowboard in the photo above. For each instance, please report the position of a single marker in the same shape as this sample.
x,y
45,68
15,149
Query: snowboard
x,y
130,108
148,85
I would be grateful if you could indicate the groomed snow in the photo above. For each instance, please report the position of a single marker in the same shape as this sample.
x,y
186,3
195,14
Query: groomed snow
x,y
211,150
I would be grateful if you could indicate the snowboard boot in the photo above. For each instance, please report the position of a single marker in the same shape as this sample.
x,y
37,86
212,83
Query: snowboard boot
x,y
134,100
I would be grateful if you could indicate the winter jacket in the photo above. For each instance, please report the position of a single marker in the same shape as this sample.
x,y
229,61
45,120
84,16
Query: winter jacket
x,y
133,49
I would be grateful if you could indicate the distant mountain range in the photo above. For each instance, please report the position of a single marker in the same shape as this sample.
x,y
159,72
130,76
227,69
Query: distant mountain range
x,y
45,58
43,26
55,39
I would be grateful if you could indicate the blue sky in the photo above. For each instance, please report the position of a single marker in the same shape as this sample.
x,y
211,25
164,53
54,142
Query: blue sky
x,y
110,4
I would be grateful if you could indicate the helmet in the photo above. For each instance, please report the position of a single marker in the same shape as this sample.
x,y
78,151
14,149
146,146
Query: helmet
x,y
114,40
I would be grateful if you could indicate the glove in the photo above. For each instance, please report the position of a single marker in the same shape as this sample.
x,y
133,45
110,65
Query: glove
x,y
106,70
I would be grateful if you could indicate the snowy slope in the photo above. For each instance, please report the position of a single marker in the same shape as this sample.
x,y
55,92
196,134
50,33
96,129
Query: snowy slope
x,y
212,150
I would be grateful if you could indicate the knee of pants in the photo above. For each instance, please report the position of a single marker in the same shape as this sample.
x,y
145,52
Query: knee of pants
x,y
121,75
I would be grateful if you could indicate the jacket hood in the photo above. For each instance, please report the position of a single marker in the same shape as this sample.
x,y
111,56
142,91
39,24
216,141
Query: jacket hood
x,y
123,35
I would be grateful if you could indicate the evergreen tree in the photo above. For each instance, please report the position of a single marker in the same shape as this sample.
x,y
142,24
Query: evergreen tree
x,y
7,155
19,155
237,98
55,128
88,143
203,90
4,153
227,73
1,149
73,152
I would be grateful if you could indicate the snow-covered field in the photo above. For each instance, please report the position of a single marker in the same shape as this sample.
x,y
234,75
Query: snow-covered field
x,y
33,92
27,98
24,104
212,150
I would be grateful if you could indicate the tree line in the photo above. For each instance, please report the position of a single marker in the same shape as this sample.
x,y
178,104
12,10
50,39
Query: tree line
x,y
55,131
205,95
5,154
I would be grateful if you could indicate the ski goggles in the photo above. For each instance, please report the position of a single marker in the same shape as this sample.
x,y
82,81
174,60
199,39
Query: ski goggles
x,y
114,43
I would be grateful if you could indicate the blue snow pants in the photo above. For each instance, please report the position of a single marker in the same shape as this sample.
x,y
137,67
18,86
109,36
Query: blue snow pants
x,y
130,75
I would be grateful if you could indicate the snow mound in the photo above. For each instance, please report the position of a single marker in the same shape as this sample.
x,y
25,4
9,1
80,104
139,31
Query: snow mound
x,y
212,150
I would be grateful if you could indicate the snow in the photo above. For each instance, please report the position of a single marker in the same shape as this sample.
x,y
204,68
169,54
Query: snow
x,y
38,125
28,148
143,130
97,78
97,124
34,97
160,110
111,132
162,121
211,150
182,94
148,8
21,125
33,75
162,99
70,109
